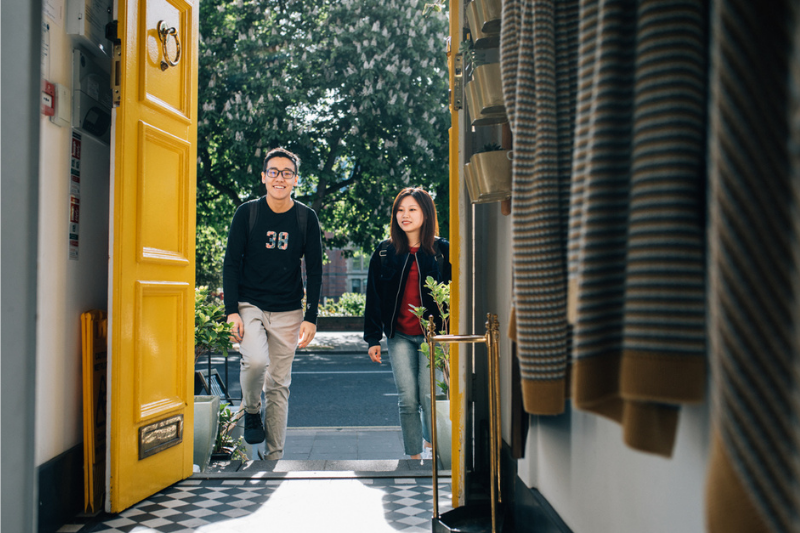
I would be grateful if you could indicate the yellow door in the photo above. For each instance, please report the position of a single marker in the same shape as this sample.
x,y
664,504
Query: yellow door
x,y
152,264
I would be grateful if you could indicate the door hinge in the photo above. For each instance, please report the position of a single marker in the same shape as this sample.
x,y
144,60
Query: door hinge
x,y
458,82
112,34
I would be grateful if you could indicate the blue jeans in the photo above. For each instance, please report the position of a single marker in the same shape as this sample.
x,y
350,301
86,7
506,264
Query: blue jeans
x,y
413,380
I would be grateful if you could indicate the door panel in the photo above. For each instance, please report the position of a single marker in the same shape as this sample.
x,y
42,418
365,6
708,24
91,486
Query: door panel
x,y
164,237
158,379
167,90
153,218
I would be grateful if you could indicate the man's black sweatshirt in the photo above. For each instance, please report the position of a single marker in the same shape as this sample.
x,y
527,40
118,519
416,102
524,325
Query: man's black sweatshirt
x,y
263,266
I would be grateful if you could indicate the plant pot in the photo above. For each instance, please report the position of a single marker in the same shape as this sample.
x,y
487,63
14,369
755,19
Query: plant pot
x,y
478,118
476,18
444,428
206,424
488,15
489,177
489,89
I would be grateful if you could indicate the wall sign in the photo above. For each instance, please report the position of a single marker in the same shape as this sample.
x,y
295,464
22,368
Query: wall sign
x,y
75,196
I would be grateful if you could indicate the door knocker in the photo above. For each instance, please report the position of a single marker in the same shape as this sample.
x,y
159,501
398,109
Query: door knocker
x,y
164,34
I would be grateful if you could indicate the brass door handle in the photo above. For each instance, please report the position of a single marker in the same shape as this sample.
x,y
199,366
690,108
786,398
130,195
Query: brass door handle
x,y
164,34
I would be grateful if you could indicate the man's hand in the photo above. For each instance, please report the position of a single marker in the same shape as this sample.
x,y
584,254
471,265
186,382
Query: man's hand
x,y
307,332
237,330
375,353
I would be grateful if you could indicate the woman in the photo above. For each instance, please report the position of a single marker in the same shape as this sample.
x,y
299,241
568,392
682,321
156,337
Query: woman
x,y
397,273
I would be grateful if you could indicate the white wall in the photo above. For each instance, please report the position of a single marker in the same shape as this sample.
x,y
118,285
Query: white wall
x,y
67,287
578,460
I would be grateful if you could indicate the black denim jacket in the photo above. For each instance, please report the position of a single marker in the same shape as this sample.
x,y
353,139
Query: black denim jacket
x,y
386,284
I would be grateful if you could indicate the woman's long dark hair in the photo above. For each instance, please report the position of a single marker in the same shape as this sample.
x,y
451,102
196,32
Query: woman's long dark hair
x,y
430,224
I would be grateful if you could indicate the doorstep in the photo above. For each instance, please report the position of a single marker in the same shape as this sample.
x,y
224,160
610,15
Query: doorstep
x,y
320,469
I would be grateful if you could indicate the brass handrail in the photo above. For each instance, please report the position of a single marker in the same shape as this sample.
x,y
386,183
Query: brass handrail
x,y
493,359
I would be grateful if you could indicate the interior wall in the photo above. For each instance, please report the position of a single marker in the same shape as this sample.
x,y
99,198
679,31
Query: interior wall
x,y
21,20
578,460
67,287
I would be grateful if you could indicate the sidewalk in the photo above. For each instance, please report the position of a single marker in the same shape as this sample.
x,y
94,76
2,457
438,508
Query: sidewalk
x,y
339,341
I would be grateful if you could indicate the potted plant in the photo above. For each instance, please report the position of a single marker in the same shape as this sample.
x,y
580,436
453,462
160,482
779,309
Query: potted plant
x,y
484,93
227,445
211,335
488,175
483,18
441,361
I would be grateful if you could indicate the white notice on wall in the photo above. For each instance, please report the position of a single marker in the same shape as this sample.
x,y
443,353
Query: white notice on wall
x,y
54,10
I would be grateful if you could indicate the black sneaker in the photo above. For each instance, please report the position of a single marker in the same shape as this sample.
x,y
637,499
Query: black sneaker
x,y
253,428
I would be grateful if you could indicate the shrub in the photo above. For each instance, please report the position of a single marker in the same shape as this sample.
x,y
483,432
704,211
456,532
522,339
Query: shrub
x,y
212,333
349,304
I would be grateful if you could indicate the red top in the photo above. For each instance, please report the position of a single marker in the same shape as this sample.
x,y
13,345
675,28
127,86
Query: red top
x,y
406,322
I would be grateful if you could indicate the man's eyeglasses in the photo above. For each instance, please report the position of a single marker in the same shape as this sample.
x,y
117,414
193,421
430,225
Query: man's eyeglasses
x,y
285,173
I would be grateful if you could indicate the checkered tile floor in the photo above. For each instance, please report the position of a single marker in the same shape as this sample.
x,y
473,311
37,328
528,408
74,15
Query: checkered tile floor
x,y
369,505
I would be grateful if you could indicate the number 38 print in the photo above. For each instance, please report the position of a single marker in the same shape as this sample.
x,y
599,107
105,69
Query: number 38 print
x,y
282,241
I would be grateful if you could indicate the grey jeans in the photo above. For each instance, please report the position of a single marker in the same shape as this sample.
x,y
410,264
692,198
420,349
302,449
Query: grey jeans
x,y
268,347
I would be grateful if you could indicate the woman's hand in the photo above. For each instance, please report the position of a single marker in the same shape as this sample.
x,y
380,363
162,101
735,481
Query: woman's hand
x,y
375,354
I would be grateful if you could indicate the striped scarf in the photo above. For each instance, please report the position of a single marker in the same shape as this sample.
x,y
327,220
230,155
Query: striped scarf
x,y
636,244
754,153
606,104
538,45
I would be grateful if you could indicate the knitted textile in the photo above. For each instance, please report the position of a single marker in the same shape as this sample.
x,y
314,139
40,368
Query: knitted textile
x,y
754,153
637,224
607,107
538,45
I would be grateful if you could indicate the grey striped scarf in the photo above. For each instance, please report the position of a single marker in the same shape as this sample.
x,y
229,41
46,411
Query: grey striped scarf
x,y
621,185
538,46
755,257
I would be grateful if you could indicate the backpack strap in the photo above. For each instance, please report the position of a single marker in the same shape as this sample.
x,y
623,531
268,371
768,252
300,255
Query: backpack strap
x,y
255,206
382,252
302,219
302,210
439,256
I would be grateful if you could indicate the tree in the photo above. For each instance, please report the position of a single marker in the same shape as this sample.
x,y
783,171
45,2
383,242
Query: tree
x,y
357,88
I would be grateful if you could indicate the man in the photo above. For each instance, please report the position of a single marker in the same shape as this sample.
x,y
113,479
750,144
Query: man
x,y
263,286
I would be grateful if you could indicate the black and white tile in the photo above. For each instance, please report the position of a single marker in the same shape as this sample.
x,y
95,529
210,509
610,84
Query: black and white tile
x,y
369,505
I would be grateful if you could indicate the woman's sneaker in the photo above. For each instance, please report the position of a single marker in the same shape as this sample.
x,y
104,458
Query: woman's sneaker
x,y
253,428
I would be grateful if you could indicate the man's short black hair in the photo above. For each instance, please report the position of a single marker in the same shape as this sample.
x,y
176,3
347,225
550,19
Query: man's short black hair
x,y
282,152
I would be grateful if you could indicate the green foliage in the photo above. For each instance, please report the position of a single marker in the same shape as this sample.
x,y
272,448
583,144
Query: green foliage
x,y
438,6
441,295
225,442
357,88
212,334
490,147
349,304
209,256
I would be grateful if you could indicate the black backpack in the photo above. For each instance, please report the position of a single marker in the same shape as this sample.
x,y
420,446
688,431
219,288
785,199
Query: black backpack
x,y
302,219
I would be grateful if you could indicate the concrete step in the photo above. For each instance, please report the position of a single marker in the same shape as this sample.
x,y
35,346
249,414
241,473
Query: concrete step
x,y
320,469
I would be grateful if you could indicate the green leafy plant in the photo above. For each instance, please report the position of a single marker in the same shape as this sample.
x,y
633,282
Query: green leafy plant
x,y
349,304
225,442
441,295
490,147
212,334
473,58
438,6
